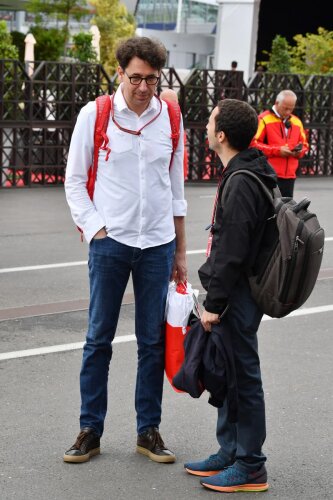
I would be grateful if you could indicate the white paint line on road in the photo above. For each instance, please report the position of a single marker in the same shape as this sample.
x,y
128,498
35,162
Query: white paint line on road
x,y
67,264
44,266
304,312
83,263
56,348
193,252
129,338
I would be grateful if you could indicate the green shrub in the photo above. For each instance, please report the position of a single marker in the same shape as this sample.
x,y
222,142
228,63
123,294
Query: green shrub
x,y
83,49
50,43
280,59
7,49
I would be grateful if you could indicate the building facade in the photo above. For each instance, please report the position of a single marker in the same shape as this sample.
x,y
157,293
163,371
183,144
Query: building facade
x,y
205,34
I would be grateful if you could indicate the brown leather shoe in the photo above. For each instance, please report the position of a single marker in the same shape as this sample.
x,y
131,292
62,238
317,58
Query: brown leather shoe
x,y
151,444
87,445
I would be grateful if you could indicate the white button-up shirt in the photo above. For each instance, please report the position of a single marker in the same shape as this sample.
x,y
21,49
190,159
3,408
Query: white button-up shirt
x,y
136,194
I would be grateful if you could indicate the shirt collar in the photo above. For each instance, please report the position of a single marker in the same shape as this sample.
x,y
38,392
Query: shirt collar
x,y
277,114
121,104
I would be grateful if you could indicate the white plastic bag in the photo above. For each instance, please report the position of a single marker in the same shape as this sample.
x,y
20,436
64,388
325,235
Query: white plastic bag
x,y
181,301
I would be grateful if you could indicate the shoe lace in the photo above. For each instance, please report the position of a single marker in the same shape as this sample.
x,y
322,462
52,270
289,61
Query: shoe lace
x,y
215,461
232,473
79,440
158,441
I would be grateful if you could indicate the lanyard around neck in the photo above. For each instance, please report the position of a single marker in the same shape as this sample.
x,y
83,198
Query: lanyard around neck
x,y
134,132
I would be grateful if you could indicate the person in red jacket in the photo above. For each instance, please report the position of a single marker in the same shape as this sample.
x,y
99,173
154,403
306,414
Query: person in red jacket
x,y
281,137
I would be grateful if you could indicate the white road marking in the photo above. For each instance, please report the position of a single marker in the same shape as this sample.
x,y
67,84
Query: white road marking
x,y
67,264
84,263
130,338
38,351
41,267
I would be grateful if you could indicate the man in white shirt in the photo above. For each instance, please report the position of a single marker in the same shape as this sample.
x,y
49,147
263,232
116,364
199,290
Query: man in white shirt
x,y
135,224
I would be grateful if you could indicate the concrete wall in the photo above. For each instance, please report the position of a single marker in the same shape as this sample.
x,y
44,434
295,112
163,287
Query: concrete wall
x,y
237,32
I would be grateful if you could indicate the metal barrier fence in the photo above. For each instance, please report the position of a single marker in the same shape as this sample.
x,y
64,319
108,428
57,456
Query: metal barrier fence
x,y
38,113
37,116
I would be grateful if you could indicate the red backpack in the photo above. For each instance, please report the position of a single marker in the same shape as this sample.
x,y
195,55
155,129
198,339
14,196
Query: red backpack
x,y
103,104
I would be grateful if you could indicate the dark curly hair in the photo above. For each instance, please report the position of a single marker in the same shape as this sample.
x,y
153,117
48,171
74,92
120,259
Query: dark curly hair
x,y
149,50
238,120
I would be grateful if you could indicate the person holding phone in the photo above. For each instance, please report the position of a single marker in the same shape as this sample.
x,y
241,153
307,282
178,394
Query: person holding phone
x,y
282,139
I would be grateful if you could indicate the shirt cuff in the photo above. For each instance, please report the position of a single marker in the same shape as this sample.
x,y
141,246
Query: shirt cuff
x,y
212,307
179,208
92,227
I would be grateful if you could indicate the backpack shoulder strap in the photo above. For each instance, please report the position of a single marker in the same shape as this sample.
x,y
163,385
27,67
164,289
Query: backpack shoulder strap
x,y
270,194
174,116
103,107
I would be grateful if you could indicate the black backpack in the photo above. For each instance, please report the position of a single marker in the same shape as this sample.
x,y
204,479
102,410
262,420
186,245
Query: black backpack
x,y
284,277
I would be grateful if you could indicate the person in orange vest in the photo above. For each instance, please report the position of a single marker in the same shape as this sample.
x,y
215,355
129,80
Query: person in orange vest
x,y
282,139
171,95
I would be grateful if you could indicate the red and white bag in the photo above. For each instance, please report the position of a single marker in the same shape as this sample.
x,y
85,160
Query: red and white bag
x,y
181,301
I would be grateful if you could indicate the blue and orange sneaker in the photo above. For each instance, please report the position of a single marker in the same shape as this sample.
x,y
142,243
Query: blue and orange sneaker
x,y
208,467
233,479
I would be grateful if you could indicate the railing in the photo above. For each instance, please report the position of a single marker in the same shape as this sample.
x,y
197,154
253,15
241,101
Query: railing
x,y
37,116
38,113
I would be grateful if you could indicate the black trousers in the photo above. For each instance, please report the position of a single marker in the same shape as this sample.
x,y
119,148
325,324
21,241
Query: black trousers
x,y
243,440
286,187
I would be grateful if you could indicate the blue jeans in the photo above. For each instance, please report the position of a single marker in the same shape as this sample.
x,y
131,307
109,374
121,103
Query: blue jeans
x,y
110,266
243,441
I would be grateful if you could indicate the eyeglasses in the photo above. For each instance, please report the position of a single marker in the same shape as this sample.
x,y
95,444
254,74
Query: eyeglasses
x,y
136,80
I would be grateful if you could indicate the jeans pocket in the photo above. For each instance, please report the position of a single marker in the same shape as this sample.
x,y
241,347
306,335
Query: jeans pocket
x,y
99,239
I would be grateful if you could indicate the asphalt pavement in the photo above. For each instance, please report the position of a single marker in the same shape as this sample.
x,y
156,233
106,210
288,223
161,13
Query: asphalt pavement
x,y
43,314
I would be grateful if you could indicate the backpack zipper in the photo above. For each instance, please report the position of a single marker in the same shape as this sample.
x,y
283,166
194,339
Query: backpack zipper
x,y
307,253
291,264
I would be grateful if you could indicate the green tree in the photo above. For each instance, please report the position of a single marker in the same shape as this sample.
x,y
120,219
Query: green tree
x,y
49,43
83,49
9,89
313,53
279,57
114,23
62,10
7,49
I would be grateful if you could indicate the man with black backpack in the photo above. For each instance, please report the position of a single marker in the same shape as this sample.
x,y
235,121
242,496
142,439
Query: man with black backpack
x,y
131,212
236,234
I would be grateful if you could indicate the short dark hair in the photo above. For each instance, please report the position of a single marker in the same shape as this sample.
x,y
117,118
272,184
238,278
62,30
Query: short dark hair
x,y
149,50
238,120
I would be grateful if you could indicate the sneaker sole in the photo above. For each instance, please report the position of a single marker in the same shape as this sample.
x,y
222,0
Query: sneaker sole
x,y
162,459
81,458
201,473
240,487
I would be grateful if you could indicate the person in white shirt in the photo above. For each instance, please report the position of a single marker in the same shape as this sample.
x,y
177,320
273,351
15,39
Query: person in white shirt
x,y
134,225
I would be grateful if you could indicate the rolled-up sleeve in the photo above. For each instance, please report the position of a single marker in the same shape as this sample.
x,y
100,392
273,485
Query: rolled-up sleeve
x,y
179,207
179,204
